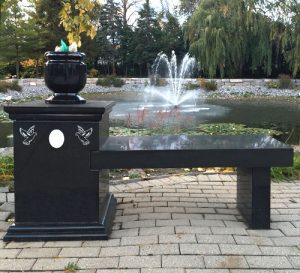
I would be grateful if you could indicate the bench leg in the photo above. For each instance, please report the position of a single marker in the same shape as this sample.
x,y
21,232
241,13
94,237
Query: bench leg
x,y
253,196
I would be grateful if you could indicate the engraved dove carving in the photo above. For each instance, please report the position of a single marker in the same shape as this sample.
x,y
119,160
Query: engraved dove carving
x,y
29,135
83,135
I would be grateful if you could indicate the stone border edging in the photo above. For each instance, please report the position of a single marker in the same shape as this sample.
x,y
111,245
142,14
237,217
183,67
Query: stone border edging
x,y
220,82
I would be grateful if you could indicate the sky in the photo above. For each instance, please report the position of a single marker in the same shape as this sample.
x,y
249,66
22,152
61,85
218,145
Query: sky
x,y
156,4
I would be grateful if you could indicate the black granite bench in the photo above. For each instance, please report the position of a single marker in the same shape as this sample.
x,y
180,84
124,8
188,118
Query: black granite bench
x,y
252,155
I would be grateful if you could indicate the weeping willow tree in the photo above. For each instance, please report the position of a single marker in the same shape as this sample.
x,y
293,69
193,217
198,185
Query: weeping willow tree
x,y
291,36
228,36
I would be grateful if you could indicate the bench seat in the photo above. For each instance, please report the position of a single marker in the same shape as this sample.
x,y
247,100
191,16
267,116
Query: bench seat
x,y
191,151
253,156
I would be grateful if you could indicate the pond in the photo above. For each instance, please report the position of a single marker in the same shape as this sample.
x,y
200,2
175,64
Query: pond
x,y
276,114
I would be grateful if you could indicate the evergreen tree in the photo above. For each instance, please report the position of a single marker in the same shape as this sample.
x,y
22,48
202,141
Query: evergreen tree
x,y
126,36
109,33
127,9
172,36
12,34
47,18
147,39
34,44
36,38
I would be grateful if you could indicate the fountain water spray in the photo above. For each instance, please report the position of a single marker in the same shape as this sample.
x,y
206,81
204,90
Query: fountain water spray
x,y
175,94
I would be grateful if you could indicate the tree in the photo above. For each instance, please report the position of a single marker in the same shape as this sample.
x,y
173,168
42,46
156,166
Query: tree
x,y
89,46
1,10
37,37
48,20
227,36
12,34
285,17
109,33
75,18
34,44
290,17
188,6
172,36
292,45
147,38
128,10
126,37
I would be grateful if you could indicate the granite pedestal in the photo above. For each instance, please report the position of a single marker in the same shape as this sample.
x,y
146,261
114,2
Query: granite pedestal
x,y
57,195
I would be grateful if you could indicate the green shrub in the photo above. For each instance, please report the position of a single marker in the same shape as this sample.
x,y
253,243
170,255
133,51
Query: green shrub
x,y
3,116
134,176
103,82
6,168
157,81
117,82
191,86
93,73
14,85
210,85
110,81
272,84
285,82
146,83
161,82
29,72
3,87
287,173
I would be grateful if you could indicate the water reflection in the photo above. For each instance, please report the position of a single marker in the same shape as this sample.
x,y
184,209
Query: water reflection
x,y
279,115
184,142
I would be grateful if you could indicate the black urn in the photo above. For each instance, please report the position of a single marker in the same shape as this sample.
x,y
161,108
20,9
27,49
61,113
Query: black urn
x,y
65,75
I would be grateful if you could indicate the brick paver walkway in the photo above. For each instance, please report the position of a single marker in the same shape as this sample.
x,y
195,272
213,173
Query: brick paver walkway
x,y
179,224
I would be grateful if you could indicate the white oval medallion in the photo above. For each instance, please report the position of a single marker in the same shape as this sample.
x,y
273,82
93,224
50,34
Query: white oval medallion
x,y
56,138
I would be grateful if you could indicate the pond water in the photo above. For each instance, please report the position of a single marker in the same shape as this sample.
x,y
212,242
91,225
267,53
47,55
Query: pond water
x,y
274,114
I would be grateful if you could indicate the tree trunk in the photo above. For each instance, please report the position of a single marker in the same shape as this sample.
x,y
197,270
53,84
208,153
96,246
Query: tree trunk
x,y
148,70
148,13
37,68
17,62
126,70
241,70
114,72
0,14
124,13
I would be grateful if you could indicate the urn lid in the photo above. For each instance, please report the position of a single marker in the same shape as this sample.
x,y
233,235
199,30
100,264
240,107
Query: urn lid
x,y
53,55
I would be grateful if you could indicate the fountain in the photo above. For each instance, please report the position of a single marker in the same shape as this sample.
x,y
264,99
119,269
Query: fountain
x,y
169,105
175,93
